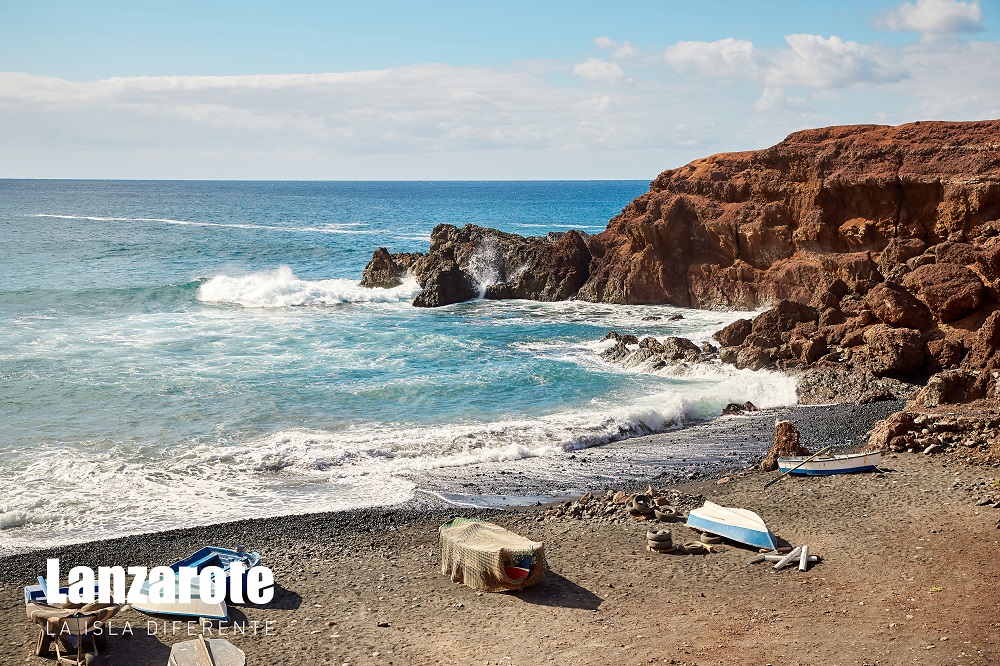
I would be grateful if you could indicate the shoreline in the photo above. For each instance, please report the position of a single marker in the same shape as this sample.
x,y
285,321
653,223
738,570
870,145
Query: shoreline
x,y
688,451
907,564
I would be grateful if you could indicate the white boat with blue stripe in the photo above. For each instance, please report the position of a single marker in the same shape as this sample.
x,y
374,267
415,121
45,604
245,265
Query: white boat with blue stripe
x,y
839,464
740,525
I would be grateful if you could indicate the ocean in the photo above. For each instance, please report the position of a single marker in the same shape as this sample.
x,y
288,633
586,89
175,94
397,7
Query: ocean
x,y
180,353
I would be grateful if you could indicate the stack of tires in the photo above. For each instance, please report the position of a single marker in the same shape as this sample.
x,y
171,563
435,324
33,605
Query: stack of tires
x,y
659,541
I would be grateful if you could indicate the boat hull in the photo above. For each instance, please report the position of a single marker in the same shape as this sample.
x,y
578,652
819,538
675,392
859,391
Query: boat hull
x,y
737,525
845,464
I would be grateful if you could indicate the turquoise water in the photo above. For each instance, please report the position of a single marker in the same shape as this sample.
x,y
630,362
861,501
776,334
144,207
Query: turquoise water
x,y
178,353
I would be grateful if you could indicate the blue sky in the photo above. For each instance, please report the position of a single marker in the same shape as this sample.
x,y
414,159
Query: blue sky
x,y
322,90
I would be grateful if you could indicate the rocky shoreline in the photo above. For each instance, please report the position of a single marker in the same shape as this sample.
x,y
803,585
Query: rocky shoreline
x,y
877,248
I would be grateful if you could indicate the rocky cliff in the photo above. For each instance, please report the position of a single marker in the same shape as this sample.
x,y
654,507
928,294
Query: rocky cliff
x,y
747,229
858,203
880,247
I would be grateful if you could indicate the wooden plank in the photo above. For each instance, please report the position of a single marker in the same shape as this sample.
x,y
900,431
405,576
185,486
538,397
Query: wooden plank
x,y
218,651
204,656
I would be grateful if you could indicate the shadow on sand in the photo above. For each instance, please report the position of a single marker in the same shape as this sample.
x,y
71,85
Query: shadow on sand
x,y
556,590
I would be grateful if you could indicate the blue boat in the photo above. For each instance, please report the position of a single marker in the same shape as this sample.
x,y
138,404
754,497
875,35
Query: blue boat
x,y
209,556
224,558
39,594
740,525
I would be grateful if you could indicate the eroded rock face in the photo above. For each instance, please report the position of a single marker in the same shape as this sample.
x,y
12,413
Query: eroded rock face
x,y
745,229
555,273
445,284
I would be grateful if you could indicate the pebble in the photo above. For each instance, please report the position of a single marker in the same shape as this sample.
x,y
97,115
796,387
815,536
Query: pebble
x,y
382,623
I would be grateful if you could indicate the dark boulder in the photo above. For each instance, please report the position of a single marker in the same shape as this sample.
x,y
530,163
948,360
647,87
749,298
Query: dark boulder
x,y
445,284
735,333
783,317
680,349
386,270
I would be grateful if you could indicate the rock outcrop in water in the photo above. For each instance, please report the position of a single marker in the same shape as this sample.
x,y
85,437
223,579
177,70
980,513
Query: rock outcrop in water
x,y
499,264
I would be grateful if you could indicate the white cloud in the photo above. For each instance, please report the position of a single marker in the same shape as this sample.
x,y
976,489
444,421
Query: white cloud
x,y
595,69
450,121
726,57
934,17
823,62
619,50
521,120
775,100
810,60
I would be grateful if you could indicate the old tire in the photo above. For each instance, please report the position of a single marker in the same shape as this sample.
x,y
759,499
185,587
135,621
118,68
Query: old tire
x,y
659,535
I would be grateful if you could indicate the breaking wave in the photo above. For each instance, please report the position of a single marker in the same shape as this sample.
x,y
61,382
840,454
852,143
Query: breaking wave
x,y
281,289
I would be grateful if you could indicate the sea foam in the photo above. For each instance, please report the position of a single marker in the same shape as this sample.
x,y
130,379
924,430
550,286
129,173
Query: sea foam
x,y
280,289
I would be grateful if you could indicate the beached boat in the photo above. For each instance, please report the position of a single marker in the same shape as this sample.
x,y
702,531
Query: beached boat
x,y
838,464
209,556
38,593
741,525
206,652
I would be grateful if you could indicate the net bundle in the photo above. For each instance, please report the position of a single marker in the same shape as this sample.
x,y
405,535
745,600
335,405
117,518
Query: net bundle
x,y
480,554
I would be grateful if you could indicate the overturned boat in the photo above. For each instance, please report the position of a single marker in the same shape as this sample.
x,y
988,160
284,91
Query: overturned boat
x,y
209,556
740,525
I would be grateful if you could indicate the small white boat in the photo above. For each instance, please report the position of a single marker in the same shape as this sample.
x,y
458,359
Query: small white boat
x,y
740,525
839,464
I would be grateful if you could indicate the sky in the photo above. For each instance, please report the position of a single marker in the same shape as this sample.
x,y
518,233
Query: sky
x,y
466,90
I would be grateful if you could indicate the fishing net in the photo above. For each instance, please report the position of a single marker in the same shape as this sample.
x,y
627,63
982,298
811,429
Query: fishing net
x,y
487,557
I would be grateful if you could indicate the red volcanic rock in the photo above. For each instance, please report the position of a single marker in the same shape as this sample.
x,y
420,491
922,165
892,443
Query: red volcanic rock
x,y
954,387
944,353
894,352
783,318
735,333
786,443
985,351
744,229
857,204
895,306
898,251
950,291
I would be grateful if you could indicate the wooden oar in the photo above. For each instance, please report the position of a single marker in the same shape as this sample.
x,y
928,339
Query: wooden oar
x,y
815,455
